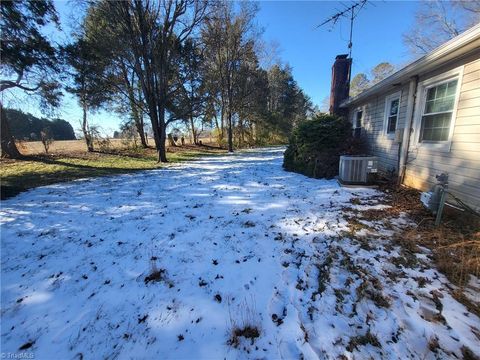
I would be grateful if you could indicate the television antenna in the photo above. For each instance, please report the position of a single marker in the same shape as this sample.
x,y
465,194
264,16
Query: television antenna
x,y
348,11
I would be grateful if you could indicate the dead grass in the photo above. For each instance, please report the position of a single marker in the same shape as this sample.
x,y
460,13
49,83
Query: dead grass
x,y
460,296
39,170
355,201
363,340
455,249
454,245
468,354
349,265
247,332
354,226
433,344
306,337
407,259
457,256
61,146
79,146
370,288
243,322
156,274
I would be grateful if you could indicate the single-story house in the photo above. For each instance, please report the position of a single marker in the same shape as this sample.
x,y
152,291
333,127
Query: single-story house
x,y
424,119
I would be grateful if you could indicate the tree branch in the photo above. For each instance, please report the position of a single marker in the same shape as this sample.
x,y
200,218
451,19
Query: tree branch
x,y
8,84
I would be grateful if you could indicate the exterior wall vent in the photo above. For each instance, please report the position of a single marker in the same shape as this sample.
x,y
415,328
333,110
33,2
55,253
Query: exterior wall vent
x,y
357,170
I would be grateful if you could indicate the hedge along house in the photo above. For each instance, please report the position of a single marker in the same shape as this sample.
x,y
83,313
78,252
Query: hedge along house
x,y
424,119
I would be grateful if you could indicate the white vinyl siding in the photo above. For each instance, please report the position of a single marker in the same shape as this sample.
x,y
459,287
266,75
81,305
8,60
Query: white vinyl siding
x,y
373,124
461,160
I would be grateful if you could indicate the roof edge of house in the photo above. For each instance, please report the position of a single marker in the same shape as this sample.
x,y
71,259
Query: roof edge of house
x,y
411,69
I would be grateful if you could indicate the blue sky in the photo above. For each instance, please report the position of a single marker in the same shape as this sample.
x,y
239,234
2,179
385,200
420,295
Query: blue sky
x,y
309,51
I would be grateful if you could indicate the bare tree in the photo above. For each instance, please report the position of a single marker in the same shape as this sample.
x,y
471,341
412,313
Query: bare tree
x,y
190,99
133,92
227,35
154,28
268,53
86,67
358,84
439,21
149,32
119,77
362,81
381,71
325,105
46,138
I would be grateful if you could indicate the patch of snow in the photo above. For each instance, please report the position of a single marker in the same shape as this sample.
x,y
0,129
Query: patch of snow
x,y
165,263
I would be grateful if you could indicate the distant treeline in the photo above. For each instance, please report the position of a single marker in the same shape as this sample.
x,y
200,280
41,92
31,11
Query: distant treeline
x,y
28,127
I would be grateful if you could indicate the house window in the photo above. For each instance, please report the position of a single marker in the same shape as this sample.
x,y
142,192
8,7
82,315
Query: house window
x,y
438,111
393,105
358,124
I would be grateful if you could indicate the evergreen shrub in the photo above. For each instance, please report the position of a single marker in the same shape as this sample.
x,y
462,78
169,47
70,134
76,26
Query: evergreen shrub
x,y
316,145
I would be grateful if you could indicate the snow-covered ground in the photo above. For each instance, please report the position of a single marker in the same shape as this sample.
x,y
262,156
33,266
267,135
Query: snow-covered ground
x,y
232,242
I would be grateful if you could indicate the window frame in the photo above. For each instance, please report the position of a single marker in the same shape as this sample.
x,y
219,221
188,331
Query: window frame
x,y
357,130
388,102
423,86
359,111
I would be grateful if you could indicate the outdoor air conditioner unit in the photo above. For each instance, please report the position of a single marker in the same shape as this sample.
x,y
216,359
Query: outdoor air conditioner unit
x,y
357,170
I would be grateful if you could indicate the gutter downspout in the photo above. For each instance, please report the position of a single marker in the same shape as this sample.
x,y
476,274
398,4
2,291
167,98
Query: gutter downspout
x,y
412,96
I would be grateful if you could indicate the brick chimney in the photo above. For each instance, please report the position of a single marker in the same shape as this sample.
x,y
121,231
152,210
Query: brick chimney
x,y
340,84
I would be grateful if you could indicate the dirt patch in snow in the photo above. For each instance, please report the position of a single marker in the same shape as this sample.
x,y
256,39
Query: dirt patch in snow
x,y
453,246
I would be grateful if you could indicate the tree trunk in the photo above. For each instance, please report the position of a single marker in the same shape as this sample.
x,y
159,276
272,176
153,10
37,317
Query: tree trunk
x,y
194,133
161,90
241,138
230,131
161,149
156,135
9,148
86,133
137,118
217,126
171,141
222,123
162,128
139,125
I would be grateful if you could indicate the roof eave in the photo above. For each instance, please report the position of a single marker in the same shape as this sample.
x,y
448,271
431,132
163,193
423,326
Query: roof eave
x,y
422,65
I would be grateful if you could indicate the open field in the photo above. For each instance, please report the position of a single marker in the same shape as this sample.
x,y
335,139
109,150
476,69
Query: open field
x,y
76,146
68,160
223,257
64,146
